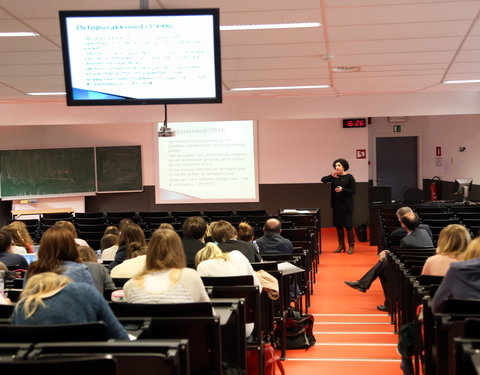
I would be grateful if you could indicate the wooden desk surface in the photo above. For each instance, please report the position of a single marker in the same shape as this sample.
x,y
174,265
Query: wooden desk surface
x,y
40,211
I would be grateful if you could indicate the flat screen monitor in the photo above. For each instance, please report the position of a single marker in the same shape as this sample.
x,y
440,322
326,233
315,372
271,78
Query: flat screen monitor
x,y
155,56
462,187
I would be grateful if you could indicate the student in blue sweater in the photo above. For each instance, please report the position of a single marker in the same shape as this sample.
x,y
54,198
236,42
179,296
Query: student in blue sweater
x,y
58,253
49,298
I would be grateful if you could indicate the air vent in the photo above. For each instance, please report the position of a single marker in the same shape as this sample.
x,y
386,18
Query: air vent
x,y
346,69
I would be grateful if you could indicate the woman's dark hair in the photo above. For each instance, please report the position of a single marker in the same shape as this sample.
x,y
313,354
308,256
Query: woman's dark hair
x,y
343,162
130,234
56,246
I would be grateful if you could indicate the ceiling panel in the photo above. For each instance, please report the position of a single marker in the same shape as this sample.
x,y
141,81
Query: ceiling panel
x,y
401,46
393,13
407,30
393,46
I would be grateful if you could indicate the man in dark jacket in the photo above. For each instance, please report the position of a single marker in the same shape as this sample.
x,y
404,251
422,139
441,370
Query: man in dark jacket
x,y
272,242
415,238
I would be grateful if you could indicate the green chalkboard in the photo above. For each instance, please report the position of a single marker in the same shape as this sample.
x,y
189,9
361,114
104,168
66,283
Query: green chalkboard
x,y
27,173
119,168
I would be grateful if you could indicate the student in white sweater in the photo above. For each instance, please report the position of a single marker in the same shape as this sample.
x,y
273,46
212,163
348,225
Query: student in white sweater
x,y
211,261
165,278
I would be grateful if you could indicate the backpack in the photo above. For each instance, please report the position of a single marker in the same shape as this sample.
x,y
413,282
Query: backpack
x,y
299,330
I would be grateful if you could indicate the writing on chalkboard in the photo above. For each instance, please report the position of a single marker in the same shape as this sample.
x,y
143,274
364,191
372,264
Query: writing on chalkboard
x,y
119,169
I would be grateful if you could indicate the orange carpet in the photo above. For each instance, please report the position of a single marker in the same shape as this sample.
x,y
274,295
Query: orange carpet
x,y
353,337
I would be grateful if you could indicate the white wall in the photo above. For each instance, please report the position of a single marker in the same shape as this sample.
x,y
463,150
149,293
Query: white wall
x,y
290,151
302,151
447,132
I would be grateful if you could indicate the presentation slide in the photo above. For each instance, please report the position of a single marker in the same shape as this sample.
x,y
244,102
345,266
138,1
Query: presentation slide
x,y
208,162
142,57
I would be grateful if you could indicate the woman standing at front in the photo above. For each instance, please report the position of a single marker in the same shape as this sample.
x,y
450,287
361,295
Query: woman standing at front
x,y
341,200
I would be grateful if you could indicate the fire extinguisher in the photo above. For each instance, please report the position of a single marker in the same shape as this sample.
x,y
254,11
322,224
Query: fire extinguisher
x,y
434,188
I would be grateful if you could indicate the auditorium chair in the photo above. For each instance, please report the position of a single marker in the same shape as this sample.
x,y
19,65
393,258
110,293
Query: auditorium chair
x,y
94,331
91,365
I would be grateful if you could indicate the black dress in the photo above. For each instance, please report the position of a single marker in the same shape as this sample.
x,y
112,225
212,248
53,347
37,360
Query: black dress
x,y
342,203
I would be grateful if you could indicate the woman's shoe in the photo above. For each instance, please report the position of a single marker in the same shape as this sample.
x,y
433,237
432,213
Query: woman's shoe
x,y
339,250
350,249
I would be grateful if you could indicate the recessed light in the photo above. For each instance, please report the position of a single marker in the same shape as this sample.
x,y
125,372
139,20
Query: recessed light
x,y
14,34
463,81
279,88
45,93
271,26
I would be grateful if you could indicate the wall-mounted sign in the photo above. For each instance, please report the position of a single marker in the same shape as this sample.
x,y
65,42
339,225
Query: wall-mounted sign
x,y
361,154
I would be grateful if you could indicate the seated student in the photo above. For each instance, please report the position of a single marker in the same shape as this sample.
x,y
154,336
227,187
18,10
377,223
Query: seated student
x,y
109,242
68,225
101,278
461,280
49,298
58,253
7,255
272,242
24,238
166,279
109,246
451,245
211,261
132,266
226,236
245,232
132,238
194,230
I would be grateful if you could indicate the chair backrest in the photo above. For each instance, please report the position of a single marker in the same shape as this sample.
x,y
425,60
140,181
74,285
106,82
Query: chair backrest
x,y
6,311
227,280
153,214
95,331
277,257
251,293
413,195
204,339
122,215
89,215
122,309
297,234
186,213
462,306
151,356
92,365
58,216
218,213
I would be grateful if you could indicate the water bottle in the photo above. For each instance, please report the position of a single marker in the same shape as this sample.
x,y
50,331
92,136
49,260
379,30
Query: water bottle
x,y
99,256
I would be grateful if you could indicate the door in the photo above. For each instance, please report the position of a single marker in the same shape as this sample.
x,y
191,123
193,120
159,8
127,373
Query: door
x,y
397,159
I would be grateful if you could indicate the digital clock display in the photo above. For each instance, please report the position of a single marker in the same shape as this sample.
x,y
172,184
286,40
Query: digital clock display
x,y
355,123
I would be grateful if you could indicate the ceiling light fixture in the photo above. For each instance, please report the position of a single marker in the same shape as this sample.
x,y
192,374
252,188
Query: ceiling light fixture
x,y
463,81
20,33
271,26
45,93
346,69
279,88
